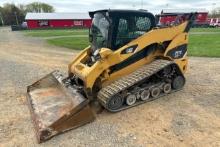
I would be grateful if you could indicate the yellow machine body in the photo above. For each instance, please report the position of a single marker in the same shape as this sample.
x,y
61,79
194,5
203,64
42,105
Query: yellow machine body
x,y
108,58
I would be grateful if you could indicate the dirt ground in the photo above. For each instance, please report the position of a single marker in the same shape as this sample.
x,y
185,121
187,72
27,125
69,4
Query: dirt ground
x,y
190,117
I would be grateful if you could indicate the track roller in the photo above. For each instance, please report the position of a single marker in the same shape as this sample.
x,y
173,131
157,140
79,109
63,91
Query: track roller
x,y
145,95
155,92
131,99
167,88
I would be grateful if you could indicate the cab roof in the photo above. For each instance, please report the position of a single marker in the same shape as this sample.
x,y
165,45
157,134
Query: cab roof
x,y
121,11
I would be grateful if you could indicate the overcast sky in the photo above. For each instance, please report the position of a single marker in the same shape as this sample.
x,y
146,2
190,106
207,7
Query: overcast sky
x,y
154,6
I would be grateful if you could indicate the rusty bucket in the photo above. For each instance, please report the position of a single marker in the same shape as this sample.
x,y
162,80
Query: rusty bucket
x,y
55,107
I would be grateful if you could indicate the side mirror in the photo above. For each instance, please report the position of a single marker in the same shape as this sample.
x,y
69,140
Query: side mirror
x,y
90,36
105,52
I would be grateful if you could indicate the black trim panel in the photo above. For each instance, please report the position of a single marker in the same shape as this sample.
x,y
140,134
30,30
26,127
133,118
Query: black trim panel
x,y
177,52
134,58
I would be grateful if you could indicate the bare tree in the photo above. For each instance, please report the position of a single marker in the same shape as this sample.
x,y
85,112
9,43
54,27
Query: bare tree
x,y
11,14
215,12
1,17
39,7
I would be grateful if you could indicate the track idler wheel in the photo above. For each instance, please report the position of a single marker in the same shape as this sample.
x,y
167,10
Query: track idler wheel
x,y
131,99
178,82
115,102
155,92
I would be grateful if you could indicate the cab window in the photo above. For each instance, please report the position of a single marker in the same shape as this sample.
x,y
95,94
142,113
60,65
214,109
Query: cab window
x,y
130,28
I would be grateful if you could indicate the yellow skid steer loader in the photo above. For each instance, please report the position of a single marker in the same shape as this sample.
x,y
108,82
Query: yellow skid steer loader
x,y
130,61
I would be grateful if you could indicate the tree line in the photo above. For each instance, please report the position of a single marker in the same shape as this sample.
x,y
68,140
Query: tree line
x,y
11,14
215,13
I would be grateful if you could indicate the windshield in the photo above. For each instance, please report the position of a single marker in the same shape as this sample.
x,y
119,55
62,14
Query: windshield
x,y
99,31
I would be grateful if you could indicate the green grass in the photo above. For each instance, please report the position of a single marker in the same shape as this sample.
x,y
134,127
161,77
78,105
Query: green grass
x,y
53,32
205,30
77,43
207,45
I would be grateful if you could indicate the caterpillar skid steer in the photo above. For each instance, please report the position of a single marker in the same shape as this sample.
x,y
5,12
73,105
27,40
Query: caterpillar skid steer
x,y
130,61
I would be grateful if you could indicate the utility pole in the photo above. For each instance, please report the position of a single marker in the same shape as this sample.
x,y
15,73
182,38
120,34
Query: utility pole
x,y
16,17
133,5
213,5
1,19
213,10
141,4
39,8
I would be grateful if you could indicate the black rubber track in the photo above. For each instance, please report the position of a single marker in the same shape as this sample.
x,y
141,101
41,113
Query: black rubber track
x,y
143,73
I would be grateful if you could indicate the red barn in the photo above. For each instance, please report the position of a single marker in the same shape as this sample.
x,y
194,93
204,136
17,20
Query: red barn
x,y
201,19
57,20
